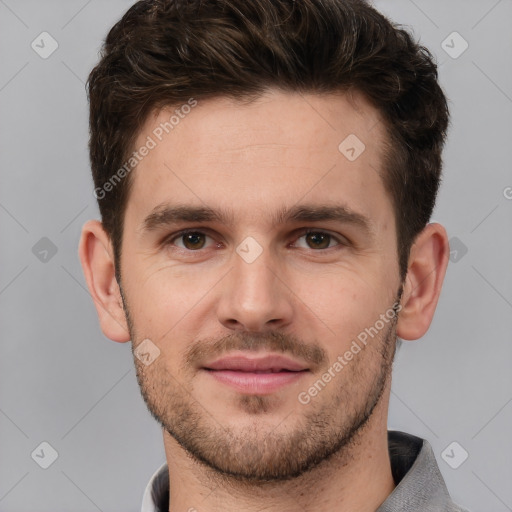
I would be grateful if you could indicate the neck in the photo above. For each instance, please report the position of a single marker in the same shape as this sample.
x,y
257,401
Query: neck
x,y
357,479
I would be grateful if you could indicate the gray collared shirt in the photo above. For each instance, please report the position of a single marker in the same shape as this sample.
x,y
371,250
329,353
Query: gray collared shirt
x,y
419,484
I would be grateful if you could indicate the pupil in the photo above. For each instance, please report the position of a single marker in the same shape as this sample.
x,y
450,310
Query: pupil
x,y
194,239
320,240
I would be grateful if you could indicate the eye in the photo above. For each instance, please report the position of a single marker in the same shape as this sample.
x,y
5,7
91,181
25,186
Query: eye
x,y
318,240
194,240
189,240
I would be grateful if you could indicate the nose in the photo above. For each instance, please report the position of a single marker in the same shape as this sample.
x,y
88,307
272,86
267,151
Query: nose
x,y
254,296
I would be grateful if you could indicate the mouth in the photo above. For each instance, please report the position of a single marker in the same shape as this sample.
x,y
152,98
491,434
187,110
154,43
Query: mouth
x,y
256,375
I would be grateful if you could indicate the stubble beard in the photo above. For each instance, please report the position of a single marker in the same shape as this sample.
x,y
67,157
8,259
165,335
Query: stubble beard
x,y
324,427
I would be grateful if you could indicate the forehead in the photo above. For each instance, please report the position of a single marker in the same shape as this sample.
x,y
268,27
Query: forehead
x,y
254,159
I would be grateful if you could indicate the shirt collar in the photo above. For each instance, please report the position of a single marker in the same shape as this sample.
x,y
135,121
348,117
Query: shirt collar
x,y
418,480
419,483
156,495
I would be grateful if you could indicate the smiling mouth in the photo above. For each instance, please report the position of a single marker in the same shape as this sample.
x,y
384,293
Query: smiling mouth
x,y
258,381
260,374
271,370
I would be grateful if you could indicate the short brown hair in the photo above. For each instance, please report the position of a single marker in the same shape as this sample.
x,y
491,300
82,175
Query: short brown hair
x,y
164,52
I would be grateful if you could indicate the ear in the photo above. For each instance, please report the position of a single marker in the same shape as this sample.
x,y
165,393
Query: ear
x,y
96,255
428,261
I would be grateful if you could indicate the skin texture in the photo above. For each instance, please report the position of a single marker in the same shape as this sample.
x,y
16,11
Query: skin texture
x,y
305,296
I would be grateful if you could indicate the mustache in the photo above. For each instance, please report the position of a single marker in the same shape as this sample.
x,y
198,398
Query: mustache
x,y
273,341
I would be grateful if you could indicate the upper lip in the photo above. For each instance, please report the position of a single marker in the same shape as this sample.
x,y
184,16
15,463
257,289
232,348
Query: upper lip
x,y
243,363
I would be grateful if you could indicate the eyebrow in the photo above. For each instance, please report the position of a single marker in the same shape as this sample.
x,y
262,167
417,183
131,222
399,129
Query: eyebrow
x,y
165,215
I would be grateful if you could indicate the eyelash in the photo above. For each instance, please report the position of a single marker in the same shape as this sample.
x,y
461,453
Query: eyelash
x,y
175,236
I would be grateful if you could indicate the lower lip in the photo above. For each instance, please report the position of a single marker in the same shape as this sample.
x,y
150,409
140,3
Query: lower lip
x,y
256,383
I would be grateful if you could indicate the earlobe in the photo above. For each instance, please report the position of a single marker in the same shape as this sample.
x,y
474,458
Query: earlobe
x,y
428,262
97,260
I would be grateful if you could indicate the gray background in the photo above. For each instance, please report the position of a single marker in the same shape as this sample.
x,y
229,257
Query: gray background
x,y
63,382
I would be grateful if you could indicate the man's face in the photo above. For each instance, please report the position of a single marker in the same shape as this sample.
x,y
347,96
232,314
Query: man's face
x,y
250,283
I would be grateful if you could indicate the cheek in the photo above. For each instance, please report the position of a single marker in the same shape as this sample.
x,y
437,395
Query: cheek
x,y
341,308
164,298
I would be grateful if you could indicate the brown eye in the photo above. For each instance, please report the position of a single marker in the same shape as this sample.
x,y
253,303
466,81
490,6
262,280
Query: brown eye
x,y
189,240
193,241
318,240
